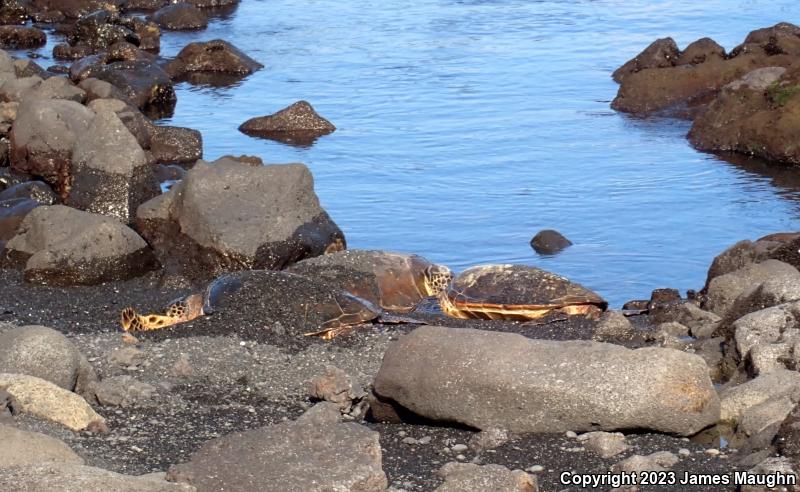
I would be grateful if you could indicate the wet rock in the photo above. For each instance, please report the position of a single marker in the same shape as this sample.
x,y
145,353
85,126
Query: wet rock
x,y
774,386
700,51
661,53
734,120
180,16
45,400
393,281
110,173
467,476
145,4
11,177
314,453
19,37
13,12
26,448
655,89
604,444
144,84
43,136
75,8
34,190
658,461
723,290
205,4
63,51
701,323
124,391
63,477
46,354
561,386
62,246
212,56
175,145
229,215
548,242
12,214
169,173
297,124
614,326
101,29
336,387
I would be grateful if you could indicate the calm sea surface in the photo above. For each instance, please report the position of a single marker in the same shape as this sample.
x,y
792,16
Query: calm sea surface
x,y
464,127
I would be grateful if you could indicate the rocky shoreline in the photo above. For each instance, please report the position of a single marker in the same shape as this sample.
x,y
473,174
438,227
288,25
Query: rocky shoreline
x,y
501,378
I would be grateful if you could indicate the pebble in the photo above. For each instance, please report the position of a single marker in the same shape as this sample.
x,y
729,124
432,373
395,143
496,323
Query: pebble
x,y
571,435
712,452
535,469
460,457
424,440
459,448
684,452
409,440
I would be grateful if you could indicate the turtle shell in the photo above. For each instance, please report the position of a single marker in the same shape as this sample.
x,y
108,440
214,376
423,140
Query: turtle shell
x,y
515,292
393,281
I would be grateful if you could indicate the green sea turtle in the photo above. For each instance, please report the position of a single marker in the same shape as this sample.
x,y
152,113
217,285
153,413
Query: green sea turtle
x,y
251,298
394,281
515,292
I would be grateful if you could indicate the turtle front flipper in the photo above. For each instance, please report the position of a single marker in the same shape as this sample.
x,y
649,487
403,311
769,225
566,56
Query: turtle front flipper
x,y
132,321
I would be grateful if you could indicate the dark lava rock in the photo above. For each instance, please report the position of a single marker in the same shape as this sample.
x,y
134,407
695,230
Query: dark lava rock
x,y
35,190
739,256
663,305
180,16
43,135
661,53
110,173
143,83
207,4
548,242
75,8
19,37
659,85
10,177
13,12
101,29
212,56
146,5
316,453
229,215
63,51
169,172
297,124
59,245
12,213
737,118
175,145
699,51
50,17
121,51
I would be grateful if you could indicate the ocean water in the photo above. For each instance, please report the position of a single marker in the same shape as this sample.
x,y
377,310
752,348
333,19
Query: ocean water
x,y
464,127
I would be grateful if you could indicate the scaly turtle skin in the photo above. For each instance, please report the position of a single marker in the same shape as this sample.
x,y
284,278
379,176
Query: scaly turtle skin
x,y
394,281
516,292
183,309
294,300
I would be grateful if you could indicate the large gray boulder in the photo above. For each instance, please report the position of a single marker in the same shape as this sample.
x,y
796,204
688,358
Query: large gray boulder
x,y
110,172
316,453
59,245
490,379
47,354
43,136
230,215
26,448
68,477
769,338
736,400
724,290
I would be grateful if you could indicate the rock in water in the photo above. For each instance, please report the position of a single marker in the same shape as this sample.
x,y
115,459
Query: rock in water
x,y
229,215
316,453
527,385
180,16
213,56
549,242
297,124
62,246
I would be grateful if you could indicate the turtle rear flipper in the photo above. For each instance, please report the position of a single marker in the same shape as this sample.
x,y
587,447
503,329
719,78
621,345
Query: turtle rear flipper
x,y
132,321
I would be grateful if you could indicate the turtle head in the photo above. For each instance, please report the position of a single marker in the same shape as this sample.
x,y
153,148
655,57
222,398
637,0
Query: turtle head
x,y
436,279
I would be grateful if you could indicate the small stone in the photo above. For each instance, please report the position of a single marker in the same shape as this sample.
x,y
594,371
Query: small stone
x,y
712,452
409,440
126,357
684,452
460,457
424,440
459,448
571,434
535,469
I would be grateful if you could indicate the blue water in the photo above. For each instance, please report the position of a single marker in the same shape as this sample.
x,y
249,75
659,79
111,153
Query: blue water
x,y
464,127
